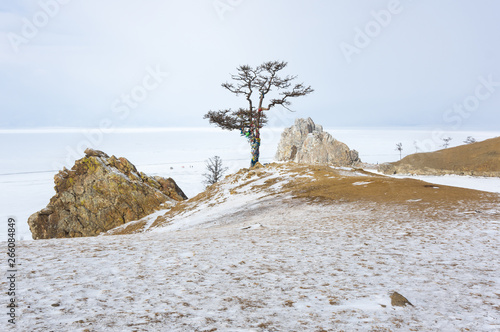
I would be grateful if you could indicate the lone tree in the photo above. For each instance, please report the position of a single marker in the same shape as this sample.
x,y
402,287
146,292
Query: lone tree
x,y
470,140
446,142
215,170
256,85
399,147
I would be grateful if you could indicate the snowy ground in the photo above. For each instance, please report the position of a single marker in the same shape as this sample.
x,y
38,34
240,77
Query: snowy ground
x,y
271,263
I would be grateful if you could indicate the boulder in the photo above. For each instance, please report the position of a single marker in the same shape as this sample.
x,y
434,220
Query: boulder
x,y
307,143
398,300
100,193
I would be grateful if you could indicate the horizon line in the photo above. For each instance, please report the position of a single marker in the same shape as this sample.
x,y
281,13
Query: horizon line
x,y
125,130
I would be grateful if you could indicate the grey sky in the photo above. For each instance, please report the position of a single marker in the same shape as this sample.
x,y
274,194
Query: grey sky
x,y
372,63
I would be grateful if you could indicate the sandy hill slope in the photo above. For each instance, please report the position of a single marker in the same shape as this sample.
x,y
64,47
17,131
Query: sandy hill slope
x,y
279,248
481,159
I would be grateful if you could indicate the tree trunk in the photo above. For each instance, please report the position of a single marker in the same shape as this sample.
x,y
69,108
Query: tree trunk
x,y
255,139
255,144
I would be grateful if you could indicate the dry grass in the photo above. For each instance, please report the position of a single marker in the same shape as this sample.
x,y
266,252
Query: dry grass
x,y
130,228
482,158
326,185
330,186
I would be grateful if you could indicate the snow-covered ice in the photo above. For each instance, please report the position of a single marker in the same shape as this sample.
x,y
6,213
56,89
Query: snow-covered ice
x,y
489,184
472,182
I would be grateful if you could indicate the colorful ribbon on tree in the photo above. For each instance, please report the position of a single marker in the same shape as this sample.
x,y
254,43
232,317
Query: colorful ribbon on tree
x,y
254,144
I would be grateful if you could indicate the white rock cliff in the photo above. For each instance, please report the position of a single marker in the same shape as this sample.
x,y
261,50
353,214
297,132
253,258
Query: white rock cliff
x,y
307,143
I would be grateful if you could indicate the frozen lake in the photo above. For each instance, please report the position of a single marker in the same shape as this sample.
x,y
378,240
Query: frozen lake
x,y
31,158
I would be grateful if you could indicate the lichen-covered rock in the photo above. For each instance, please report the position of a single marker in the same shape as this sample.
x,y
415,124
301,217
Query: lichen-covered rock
x,y
307,143
100,193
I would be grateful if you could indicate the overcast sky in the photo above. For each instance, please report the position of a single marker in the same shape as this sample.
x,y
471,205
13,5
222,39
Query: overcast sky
x,y
143,63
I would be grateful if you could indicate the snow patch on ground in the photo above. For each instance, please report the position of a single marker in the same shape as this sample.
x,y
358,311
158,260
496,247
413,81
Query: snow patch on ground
x,y
361,183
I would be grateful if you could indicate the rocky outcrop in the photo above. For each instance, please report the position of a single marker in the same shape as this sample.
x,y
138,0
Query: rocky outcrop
x,y
307,143
100,193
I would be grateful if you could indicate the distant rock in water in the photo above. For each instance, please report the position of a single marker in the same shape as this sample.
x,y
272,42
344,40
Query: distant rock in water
x,y
307,143
100,193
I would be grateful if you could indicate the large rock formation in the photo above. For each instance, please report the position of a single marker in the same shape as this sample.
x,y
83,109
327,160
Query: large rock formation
x,y
307,143
100,193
